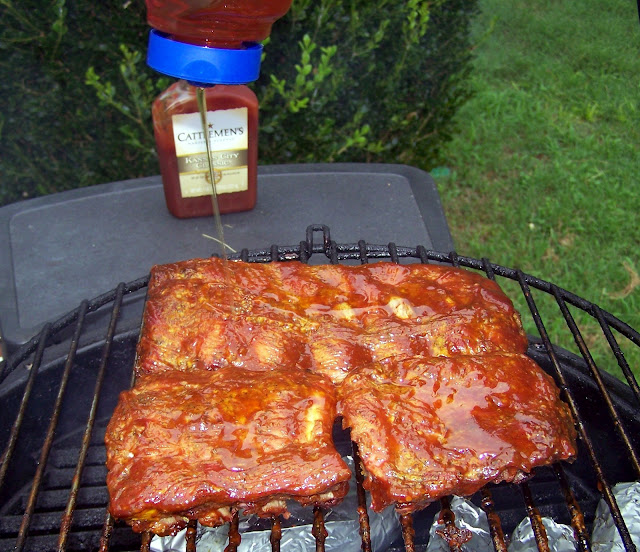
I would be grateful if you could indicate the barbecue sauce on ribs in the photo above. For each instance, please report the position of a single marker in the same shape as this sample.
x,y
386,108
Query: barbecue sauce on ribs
x,y
328,318
195,445
428,361
432,427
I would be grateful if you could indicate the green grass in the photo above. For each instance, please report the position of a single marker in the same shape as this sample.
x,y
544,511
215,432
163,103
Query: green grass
x,y
545,168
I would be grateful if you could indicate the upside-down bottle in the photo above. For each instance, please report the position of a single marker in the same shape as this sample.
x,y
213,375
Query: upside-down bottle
x,y
210,44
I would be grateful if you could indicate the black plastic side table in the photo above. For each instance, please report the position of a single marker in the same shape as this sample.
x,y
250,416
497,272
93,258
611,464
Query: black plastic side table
x,y
60,249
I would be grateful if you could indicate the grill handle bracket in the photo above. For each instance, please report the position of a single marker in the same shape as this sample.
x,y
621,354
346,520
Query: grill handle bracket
x,y
326,239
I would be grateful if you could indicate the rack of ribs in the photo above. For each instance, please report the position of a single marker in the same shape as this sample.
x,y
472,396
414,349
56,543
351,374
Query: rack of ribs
x,y
239,366
207,314
196,445
431,427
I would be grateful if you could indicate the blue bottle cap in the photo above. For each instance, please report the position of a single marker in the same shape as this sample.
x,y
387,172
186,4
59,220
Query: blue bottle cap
x,y
201,64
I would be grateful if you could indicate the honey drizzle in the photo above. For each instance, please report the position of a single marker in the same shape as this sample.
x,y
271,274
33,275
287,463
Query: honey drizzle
x,y
202,107
217,220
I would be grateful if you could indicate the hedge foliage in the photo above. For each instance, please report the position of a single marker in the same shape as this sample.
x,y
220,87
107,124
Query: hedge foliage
x,y
351,80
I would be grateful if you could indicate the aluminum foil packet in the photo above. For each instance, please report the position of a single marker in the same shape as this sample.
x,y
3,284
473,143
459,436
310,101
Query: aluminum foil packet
x,y
341,523
559,536
472,529
472,533
605,536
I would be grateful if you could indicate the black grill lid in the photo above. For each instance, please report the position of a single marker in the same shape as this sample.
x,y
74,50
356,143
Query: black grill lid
x,y
60,388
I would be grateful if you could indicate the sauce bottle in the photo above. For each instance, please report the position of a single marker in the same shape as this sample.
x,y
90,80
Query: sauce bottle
x,y
232,117
217,23
209,44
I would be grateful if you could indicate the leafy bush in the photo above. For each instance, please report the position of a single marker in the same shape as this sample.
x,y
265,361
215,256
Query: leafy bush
x,y
357,80
55,135
364,81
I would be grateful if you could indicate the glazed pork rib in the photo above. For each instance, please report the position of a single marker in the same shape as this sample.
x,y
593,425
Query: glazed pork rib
x,y
195,445
237,369
431,427
207,314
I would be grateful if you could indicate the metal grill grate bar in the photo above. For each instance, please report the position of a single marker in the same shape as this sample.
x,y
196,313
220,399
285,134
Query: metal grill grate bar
x,y
276,534
535,518
495,525
577,518
319,531
71,504
597,376
190,537
107,531
234,533
455,536
566,391
363,515
146,542
408,532
17,425
46,448
613,343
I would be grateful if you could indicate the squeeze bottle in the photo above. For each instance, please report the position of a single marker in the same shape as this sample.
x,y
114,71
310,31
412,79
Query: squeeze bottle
x,y
212,44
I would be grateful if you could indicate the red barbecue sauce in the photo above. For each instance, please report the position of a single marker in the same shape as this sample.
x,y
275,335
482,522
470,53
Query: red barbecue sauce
x,y
217,24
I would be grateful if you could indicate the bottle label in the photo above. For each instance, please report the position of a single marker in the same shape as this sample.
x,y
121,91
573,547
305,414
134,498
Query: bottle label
x,y
228,137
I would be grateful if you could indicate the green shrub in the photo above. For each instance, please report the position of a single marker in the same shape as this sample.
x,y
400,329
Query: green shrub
x,y
357,80
55,135
364,81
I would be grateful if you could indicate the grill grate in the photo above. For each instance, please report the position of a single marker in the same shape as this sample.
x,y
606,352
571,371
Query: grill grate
x,y
56,499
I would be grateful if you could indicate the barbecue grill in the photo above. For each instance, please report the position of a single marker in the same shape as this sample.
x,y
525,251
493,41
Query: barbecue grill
x,y
59,389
